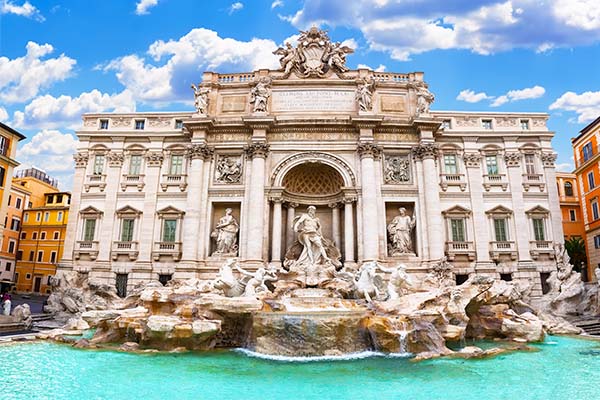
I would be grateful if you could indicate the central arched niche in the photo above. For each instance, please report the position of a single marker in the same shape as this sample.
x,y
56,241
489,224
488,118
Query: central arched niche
x,y
313,180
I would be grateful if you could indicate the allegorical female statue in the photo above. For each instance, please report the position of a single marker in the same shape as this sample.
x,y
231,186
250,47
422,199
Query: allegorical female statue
x,y
225,234
400,233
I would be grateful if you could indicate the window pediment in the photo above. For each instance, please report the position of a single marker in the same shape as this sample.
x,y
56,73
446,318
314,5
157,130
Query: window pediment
x,y
457,211
91,212
537,211
170,211
128,211
499,211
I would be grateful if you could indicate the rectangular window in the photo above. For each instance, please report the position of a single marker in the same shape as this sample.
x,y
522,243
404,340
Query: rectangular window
x,y
572,216
139,124
500,229
9,199
18,205
59,198
50,199
38,217
591,181
26,217
525,124
46,216
176,167
31,255
457,226
15,224
19,256
597,242
121,285
11,246
486,123
23,235
8,266
34,235
40,256
178,124
43,236
530,164
595,213
89,229
4,145
538,229
588,151
98,164
127,230
59,217
135,164
169,230
53,257
491,164
56,235
446,124
450,164
103,124
2,174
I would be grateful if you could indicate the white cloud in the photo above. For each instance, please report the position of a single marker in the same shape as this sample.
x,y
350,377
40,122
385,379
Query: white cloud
x,y
276,3
404,28
143,6
22,78
470,96
25,10
235,7
565,167
380,68
586,105
54,112
185,59
534,92
3,115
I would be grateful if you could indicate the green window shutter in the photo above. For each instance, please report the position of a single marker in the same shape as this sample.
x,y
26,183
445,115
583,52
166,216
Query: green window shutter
x,y
127,230
135,164
538,229
500,229
169,230
458,230
89,230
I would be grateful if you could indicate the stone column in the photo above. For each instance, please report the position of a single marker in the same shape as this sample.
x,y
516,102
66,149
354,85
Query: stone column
x,y
548,160
154,160
428,153
290,235
515,177
276,233
335,224
257,151
197,153
348,230
113,177
481,231
368,152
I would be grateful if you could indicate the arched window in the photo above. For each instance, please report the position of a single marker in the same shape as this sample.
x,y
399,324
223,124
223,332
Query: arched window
x,y
568,189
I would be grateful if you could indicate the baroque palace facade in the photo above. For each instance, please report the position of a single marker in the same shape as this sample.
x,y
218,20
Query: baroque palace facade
x,y
172,195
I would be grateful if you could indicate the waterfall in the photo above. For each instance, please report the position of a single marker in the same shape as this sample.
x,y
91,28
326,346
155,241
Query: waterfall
x,y
403,338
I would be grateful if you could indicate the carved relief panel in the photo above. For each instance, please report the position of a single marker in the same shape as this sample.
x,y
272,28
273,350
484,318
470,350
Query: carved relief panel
x,y
396,169
228,169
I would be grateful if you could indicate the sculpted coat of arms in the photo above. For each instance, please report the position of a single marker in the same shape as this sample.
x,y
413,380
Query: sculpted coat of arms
x,y
314,56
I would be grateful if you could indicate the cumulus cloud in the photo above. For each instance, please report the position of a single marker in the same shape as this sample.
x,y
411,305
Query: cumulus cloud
x,y
404,28
142,6
522,94
3,115
235,7
176,64
380,68
586,105
24,10
565,167
470,96
22,78
54,112
276,3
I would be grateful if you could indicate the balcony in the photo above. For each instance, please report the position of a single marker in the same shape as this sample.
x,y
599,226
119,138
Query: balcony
x,y
129,249
166,249
494,180
173,180
95,180
86,247
533,180
447,180
132,180
503,248
539,247
454,249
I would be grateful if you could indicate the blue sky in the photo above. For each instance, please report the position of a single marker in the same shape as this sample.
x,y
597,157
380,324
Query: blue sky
x,y
59,59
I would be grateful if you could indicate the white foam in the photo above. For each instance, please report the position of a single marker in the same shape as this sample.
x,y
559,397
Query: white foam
x,y
345,357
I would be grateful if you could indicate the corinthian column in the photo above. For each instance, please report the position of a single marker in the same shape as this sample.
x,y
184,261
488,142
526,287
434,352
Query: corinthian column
x,y
348,230
548,160
81,160
335,224
115,162
256,202
289,234
276,233
370,236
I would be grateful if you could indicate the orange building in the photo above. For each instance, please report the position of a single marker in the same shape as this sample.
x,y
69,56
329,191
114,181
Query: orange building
x,y
587,171
17,201
572,216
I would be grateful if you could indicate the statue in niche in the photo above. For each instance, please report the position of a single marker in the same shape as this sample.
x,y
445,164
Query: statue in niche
x,y
424,99
229,170
400,233
225,234
312,257
259,96
200,98
396,169
364,94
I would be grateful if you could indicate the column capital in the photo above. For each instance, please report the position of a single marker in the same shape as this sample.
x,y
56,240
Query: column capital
x,y
257,149
349,200
81,159
292,204
512,159
472,160
115,159
154,158
201,151
368,149
275,199
425,150
333,205
548,159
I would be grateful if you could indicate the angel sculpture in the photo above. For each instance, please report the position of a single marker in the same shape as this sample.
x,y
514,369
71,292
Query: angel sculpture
x,y
336,56
200,99
289,58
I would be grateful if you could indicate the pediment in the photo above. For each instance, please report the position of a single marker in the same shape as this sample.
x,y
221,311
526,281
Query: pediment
x,y
457,210
90,210
538,210
128,210
170,211
499,210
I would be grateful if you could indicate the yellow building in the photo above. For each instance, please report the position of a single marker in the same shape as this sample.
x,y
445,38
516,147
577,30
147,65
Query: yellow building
x,y
18,200
38,183
41,242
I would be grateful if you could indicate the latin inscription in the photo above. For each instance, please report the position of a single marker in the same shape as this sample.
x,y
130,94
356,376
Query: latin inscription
x,y
392,103
234,104
314,100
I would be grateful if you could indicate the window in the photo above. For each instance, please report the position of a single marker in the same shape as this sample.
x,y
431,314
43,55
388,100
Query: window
x,y
135,164
46,216
139,124
486,123
588,152
506,277
23,235
169,230
59,216
121,285
127,229
461,278
176,167
530,164
40,256
595,213
34,235
4,145
103,124
53,257
491,164
450,164
457,226
59,198
446,124
38,216
56,235
525,124
19,256
89,229
26,217
18,205
164,278
28,277
9,199
11,246
597,241
8,266
43,236
98,164
500,229
591,183
178,124
15,224
538,229
50,199
2,173
572,216
568,189
31,255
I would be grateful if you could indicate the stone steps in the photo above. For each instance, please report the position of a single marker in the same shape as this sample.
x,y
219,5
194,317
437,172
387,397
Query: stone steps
x,y
590,326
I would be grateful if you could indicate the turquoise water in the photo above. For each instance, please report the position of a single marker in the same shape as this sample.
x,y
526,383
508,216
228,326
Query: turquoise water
x,y
565,368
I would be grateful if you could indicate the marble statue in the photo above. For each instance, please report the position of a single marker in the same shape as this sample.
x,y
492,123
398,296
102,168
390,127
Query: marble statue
x,y
257,282
399,282
200,99
397,169
225,234
561,255
336,56
228,170
364,94
308,228
424,99
289,58
259,96
400,233
369,284
440,275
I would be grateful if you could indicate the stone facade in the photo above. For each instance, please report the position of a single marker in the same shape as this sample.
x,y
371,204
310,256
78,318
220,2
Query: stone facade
x,y
267,144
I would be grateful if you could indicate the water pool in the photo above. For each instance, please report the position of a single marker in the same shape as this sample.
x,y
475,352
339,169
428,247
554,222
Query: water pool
x,y
565,368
